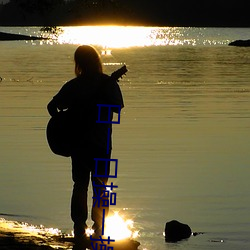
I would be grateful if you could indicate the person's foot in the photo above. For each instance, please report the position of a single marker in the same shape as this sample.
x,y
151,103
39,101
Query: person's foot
x,y
97,231
80,236
81,242
80,230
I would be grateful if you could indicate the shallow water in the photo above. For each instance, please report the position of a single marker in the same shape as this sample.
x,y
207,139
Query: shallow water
x,y
182,145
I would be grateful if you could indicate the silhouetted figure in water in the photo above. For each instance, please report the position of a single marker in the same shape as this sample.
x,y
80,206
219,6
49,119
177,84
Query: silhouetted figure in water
x,y
80,97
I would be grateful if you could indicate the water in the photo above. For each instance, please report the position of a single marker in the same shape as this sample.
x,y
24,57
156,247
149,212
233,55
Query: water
x,y
182,145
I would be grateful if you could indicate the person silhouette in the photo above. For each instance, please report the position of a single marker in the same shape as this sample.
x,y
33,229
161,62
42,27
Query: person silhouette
x,y
90,140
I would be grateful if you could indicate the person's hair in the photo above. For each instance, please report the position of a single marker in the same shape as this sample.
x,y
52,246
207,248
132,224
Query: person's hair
x,y
87,60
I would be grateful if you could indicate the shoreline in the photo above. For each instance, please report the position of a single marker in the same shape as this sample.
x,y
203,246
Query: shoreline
x,y
15,235
17,37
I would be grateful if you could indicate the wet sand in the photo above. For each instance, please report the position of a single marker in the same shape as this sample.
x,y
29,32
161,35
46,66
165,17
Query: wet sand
x,y
14,240
19,235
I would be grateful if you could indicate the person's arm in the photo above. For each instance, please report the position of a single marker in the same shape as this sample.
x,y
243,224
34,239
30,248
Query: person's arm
x,y
52,108
115,96
61,100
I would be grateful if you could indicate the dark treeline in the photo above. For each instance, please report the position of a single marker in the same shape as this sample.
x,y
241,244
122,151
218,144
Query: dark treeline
x,y
193,13
218,13
61,12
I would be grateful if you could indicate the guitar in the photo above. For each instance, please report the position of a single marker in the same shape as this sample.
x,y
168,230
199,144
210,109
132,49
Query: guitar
x,y
59,127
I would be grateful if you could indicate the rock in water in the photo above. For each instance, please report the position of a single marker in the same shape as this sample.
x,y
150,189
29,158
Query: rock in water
x,y
176,231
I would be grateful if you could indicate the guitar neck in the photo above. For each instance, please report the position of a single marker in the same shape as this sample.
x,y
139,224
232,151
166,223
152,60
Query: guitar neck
x,y
119,73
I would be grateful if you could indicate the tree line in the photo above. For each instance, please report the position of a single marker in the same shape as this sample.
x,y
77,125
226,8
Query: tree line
x,y
61,12
125,12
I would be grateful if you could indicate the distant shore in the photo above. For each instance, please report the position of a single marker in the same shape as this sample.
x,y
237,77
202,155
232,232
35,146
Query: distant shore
x,y
15,37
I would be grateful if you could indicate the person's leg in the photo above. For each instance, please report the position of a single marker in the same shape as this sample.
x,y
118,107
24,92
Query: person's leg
x,y
101,199
79,209
79,206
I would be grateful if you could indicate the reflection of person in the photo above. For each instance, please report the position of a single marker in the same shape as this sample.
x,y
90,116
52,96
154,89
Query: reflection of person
x,y
81,96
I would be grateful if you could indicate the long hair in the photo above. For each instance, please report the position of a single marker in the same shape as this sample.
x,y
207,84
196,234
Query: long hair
x,y
87,60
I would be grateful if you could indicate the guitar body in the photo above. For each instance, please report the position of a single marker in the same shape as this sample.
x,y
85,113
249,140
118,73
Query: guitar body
x,y
59,133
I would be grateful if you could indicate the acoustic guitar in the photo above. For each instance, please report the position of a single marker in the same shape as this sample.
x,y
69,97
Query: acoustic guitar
x,y
59,127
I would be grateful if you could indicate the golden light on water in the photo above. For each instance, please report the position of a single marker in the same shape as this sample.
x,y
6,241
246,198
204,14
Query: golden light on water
x,y
118,228
107,36
110,37
127,36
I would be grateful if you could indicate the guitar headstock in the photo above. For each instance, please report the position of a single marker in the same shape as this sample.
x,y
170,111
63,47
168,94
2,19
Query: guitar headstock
x,y
119,73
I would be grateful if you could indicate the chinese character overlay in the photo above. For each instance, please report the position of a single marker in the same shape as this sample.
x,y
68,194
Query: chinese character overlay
x,y
106,167
103,193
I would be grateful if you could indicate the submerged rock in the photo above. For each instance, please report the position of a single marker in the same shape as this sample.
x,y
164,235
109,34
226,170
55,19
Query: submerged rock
x,y
176,231
240,43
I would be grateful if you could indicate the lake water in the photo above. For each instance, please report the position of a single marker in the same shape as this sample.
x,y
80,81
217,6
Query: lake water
x,y
183,143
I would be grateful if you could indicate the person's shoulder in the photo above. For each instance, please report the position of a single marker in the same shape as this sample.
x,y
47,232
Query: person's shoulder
x,y
108,79
71,83
68,87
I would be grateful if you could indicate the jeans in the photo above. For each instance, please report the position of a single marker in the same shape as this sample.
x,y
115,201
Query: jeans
x,y
83,168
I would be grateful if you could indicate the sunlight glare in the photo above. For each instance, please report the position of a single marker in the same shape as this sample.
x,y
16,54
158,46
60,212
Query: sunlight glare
x,y
118,228
106,36
89,231
111,37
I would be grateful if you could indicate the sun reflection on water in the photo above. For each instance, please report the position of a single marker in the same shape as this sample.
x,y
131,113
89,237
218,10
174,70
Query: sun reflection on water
x,y
116,227
110,37
107,36
119,229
